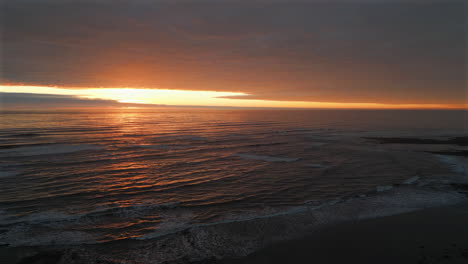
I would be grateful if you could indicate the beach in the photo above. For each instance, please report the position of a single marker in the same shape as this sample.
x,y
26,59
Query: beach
x,y
436,235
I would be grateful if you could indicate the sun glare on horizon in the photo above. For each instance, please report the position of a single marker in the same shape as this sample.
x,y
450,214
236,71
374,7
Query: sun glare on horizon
x,y
145,96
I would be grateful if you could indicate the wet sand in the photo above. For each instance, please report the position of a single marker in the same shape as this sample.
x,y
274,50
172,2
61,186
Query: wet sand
x,y
436,235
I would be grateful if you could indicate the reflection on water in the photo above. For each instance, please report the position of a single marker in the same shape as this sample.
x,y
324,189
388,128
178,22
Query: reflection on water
x,y
165,169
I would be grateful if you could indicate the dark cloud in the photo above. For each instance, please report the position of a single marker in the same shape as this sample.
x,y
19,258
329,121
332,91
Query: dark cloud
x,y
29,100
386,51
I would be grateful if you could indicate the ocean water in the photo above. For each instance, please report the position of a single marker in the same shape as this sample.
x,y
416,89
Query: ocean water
x,y
73,177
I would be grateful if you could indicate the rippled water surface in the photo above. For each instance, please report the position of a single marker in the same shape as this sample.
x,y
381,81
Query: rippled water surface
x,y
94,176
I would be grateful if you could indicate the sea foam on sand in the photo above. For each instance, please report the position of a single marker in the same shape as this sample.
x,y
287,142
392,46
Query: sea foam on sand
x,y
240,238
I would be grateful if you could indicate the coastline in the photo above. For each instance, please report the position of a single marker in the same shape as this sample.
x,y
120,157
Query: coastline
x,y
434,235
400,213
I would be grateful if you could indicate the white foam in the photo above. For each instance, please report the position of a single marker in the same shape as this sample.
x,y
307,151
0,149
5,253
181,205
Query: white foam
x,y
266,158
328,203
383,188
139,209
181,222
54,217
315,165
48,149
3,215
23,236
257,232
6,174
404,199
42,217
173,223
50,216
455,164
411,180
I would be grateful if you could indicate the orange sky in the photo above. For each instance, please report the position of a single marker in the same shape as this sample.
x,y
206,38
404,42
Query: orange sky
x,y
333,55
199,98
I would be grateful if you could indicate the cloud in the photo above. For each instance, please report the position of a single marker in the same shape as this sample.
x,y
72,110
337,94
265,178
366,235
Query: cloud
x,y
29,100
386,52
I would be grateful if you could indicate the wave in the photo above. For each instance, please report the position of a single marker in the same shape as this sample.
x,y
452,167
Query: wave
x,y
244,235
383,188
10,147
266,158
7,174
383,201
177,241
21,236
53,225
25,135
47,149
256,228
455,164
181,137
391,195
411,180
162,146
316,165
56,217
171,224
318,144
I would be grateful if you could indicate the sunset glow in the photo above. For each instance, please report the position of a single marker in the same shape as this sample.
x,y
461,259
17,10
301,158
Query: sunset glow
x,y
201,98
269,55
233,131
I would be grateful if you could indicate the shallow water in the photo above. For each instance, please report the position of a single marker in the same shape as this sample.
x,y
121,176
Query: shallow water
x,y
75,177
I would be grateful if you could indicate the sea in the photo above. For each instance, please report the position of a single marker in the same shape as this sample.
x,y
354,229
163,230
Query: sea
x,y
73,177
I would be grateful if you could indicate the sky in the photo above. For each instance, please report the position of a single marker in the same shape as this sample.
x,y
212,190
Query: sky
x,y
339,53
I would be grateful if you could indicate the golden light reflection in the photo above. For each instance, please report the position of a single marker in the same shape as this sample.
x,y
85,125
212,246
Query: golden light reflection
x,y
200,98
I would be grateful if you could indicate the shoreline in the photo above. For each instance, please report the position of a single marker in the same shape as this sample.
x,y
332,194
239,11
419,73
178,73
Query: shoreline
x,y
427,236
239,242
434,235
